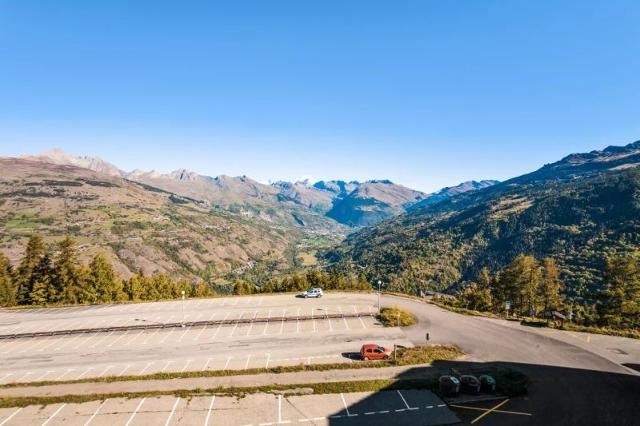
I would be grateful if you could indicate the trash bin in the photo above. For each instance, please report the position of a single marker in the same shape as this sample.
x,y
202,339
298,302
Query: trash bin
x,y
449,386
487,383
470,384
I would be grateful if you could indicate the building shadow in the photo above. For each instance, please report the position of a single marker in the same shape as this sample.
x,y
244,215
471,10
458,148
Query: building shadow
x,y
554,396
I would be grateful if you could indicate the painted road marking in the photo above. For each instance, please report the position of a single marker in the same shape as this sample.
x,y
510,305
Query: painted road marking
x,y
185,366
85,372
206,364
405,402
145,368
54,414
135,412
489,411
227,363
518,413
264,332
172,411
95,413
247,363
255,314
11,416
220,325
206,420
344,402
268,359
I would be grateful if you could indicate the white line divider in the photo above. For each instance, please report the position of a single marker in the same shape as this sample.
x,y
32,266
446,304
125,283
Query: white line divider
x,y
268,359
405,402
54,414
95,413
145,368
344,402
172,411
85,372
186,365
135,412
227,363
206,420
206,364
246,365
11,416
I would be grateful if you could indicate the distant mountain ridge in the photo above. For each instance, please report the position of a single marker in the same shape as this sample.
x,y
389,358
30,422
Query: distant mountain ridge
x,y
578,210
350,203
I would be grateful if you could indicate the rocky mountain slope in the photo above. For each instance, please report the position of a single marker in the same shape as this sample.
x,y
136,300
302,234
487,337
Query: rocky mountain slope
x,y
141,228
577,210
311,206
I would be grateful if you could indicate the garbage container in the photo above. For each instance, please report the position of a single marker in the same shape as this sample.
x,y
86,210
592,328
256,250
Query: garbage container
x,y
449,386
470,384
487,383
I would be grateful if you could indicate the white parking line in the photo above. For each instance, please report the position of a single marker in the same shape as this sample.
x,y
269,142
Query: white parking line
x,y
266,365
95,413
264,332
206,364
64,374
298,321
343,318
246,365
206,420
172,411
120,337
405,402
54,414
109,367
124,369
145,368
11,416
220,325
166,366
284,314
255,314
344,402
85,372
227,363
135,412
204,328
186,365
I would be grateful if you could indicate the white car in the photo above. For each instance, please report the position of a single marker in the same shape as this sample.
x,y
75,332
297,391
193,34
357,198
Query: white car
x,y
314,292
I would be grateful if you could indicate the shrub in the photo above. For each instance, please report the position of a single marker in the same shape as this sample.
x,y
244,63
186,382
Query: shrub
x,y
396,317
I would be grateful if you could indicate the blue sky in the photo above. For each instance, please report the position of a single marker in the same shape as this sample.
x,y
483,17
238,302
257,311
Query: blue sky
x,y
425,93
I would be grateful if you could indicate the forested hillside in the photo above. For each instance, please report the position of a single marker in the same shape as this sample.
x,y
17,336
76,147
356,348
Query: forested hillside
x,y
578,210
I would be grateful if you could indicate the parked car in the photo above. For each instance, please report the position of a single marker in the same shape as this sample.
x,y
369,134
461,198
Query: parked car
x,y
373,351
314,292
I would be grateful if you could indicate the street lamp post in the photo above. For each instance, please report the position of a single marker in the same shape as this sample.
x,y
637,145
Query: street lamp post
x,y
379,283
183,308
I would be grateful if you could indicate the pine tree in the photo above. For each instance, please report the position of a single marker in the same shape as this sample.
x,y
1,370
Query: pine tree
x,y
550,286
134,287
103,279
620,301
67,276
7,287
24,278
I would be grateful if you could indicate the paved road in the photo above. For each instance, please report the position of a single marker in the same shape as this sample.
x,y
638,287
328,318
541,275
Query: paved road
x,y
577,378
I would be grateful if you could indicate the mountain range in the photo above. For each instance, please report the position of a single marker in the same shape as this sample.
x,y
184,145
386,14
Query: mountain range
x,y
579,210
290,203
183,223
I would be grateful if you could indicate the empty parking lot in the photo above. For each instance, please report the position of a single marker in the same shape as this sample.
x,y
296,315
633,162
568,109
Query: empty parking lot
x,y
283,340
403,407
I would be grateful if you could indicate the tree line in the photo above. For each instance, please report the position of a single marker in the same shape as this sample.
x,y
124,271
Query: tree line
x,y
54,275
529,287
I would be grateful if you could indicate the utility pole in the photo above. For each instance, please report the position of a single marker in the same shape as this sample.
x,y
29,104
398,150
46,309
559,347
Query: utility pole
x,y
379,283
183,308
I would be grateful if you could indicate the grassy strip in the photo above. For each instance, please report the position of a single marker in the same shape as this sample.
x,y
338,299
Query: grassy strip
x,y
633,334
510,383
396,317
404,356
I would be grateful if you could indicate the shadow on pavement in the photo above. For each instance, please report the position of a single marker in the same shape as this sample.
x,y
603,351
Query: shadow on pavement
x,y
556,396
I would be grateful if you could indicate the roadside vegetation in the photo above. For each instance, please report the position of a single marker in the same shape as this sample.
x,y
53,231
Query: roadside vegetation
x,y
404,356
396,317
533,291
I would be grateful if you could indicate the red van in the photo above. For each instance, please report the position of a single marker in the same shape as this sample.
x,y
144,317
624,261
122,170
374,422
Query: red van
x,y
372,351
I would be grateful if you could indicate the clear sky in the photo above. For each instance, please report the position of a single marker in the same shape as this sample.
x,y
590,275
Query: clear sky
x,y
425,93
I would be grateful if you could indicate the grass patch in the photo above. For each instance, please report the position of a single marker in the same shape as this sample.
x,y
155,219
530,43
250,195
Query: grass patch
x,y
396,317
404,356
510,383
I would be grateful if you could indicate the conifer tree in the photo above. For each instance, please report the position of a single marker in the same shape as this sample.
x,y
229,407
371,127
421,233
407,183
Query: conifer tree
x,y
103,280
67,275
550,286
24,277
7,287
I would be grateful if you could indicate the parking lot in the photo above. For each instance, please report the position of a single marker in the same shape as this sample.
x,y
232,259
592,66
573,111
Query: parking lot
x,y
233,346
401,407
